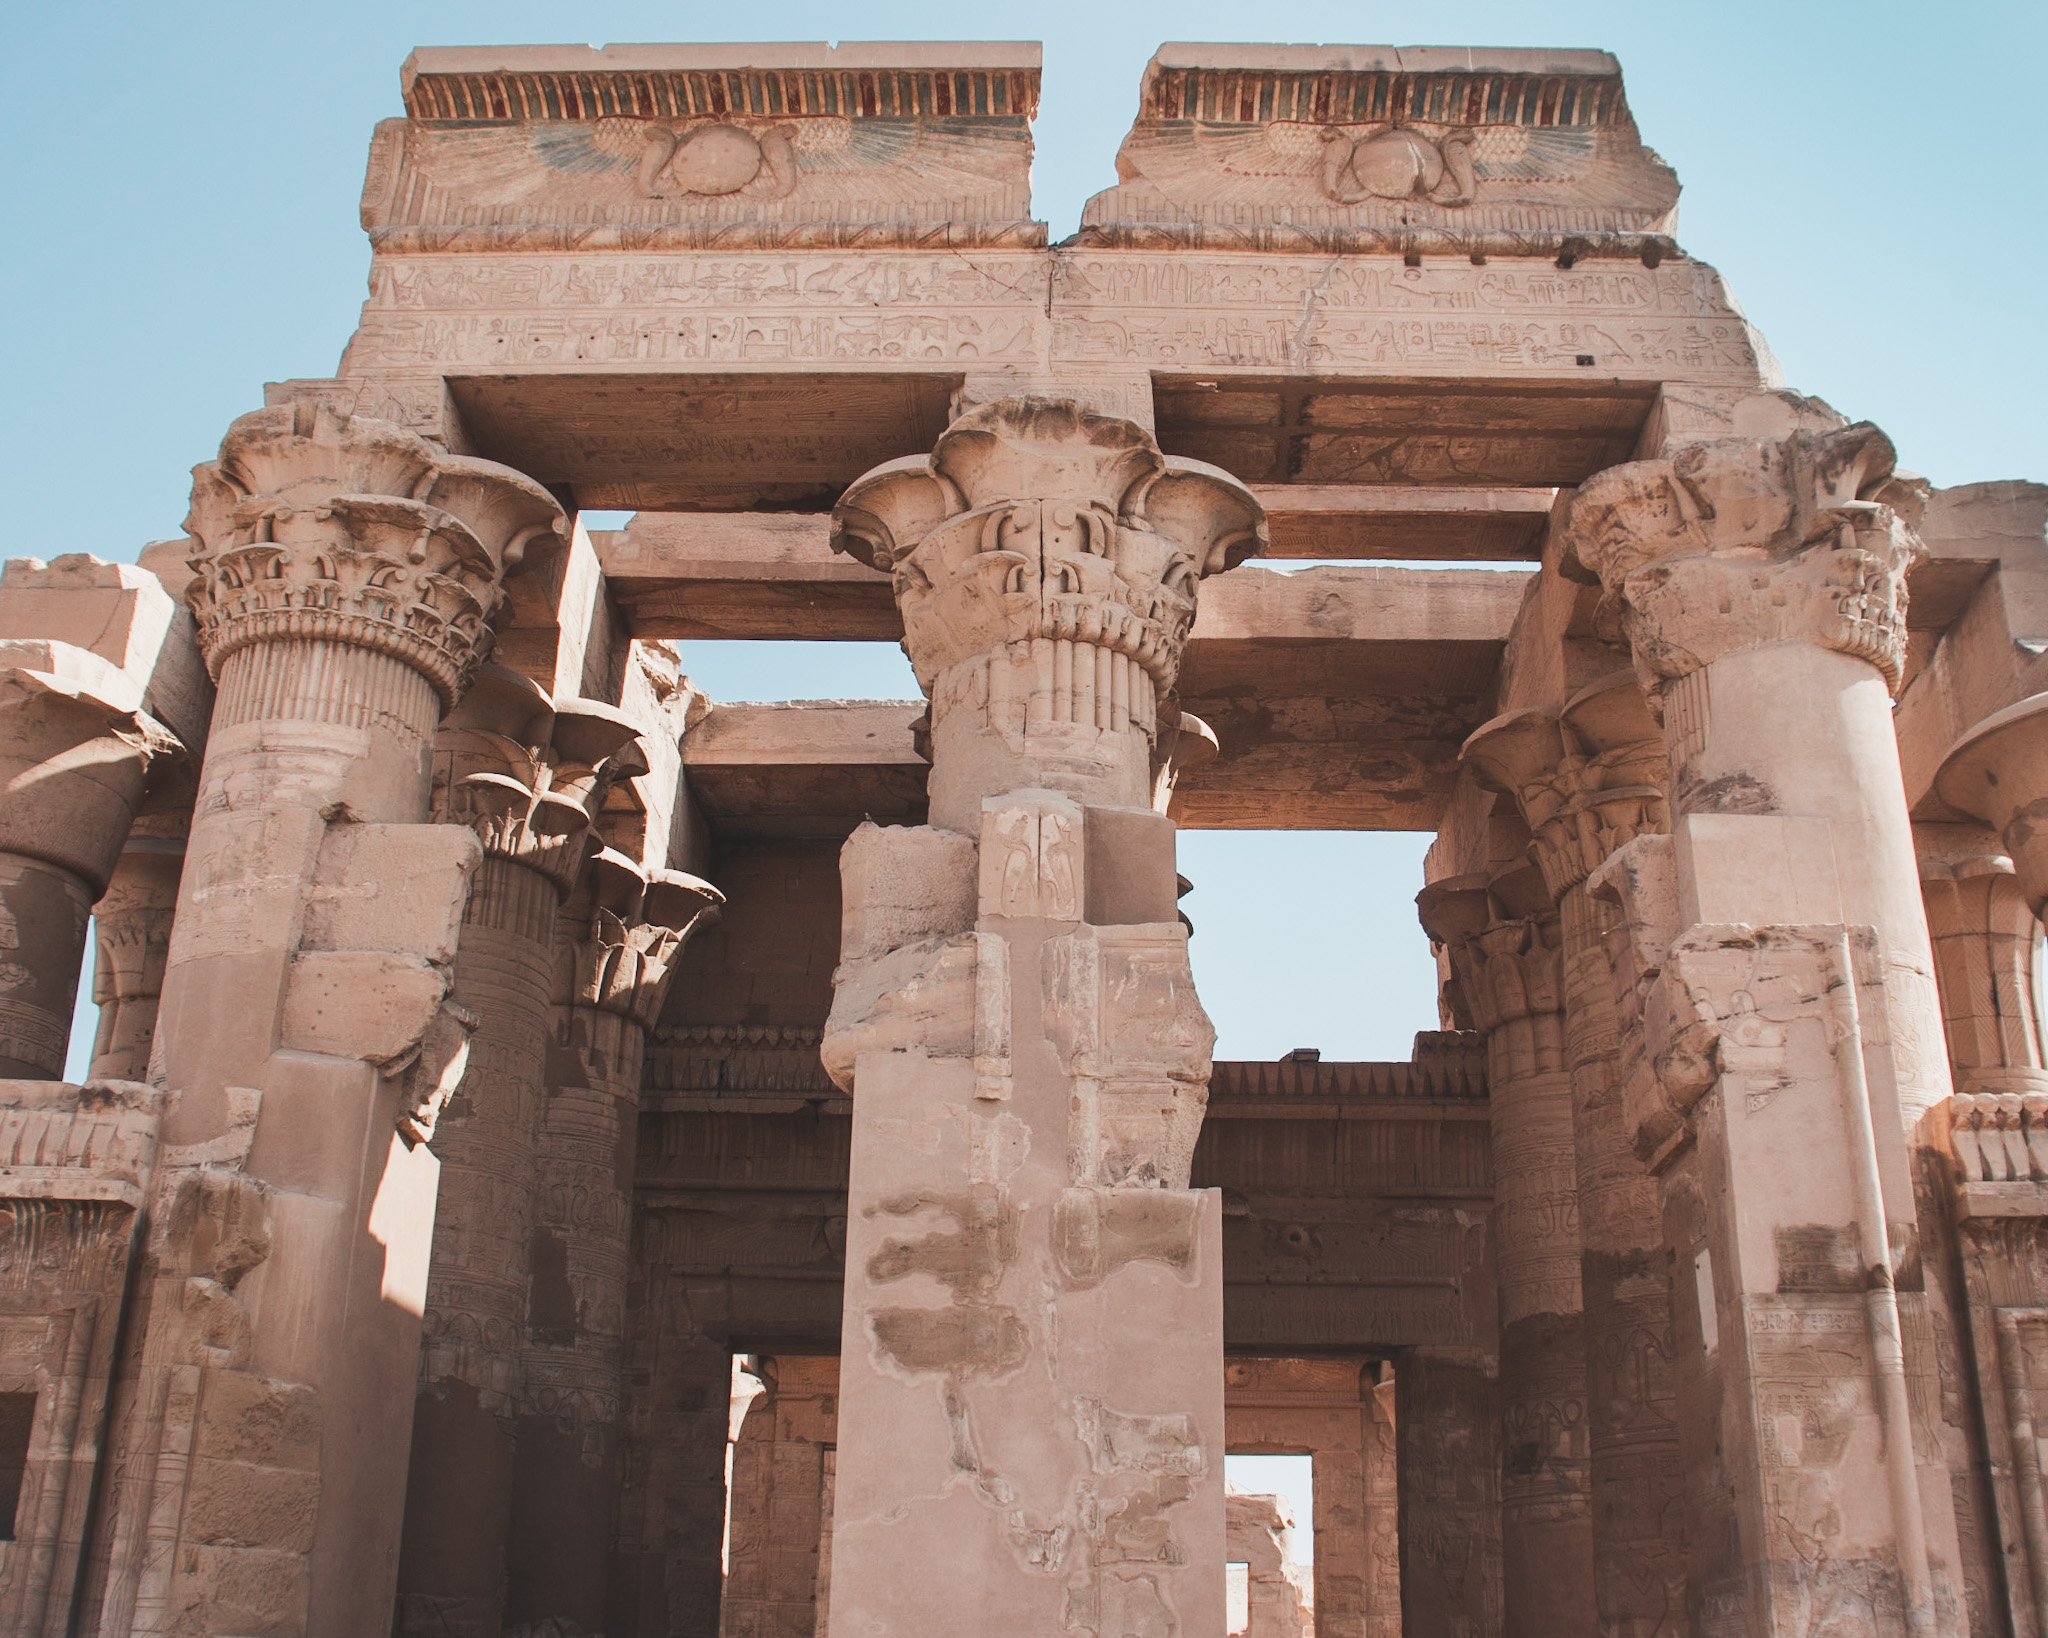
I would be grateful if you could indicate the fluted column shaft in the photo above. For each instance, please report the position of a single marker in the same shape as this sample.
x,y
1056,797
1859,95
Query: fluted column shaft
x,y
568,1431
1587,776
1986,951
618,942
132,923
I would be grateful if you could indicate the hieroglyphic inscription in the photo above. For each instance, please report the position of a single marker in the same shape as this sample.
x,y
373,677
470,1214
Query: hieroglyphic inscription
x,y
491,312
1315,312
481,312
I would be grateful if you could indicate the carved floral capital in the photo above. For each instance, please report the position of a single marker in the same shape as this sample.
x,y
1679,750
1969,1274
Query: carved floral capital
x,y
639,924
528,775
314,525
1509,972
1035,519
1743,541
1588,777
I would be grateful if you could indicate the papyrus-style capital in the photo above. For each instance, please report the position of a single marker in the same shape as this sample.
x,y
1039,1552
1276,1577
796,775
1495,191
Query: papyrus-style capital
x,y
1508,964
75,748
529,775
1588,777
1745,541
639,924
318,526
1998,772
1035,520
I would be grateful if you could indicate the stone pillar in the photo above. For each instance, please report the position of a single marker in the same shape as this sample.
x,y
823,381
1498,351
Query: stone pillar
x,y
1505,949
527,777
612,963
1588,778
347,571
1792,1029
75,749
1031,1405
1447,1427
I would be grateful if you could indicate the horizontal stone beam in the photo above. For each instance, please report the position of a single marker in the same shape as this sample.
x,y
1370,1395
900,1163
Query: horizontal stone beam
x,y
709,575
805,769
1405,520
1340,697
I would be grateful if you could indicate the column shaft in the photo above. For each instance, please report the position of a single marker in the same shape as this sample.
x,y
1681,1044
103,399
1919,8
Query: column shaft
x,y
1637,1475
481,1280
43,911
1031,1390
347,571
132,933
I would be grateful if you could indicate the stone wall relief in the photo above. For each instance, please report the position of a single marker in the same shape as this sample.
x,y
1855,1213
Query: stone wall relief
x,y
711,157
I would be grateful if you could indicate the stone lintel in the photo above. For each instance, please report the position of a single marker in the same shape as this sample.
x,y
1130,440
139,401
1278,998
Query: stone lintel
x,y
772,575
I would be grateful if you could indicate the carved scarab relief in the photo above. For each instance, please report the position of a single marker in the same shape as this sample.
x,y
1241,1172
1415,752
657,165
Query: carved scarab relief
x,y
710,159
1396,163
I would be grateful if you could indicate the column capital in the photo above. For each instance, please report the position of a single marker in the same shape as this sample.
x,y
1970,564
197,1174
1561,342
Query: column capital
x,y
1998,773
1506,952
1741,542
75,751
1037,518
319,526
529,775
639,924
1588,777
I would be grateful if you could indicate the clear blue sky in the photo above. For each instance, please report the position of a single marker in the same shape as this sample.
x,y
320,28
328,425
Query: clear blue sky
x,y
180,202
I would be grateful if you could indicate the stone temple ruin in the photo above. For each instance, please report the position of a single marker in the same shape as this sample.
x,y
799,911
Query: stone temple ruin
x,y
567,1156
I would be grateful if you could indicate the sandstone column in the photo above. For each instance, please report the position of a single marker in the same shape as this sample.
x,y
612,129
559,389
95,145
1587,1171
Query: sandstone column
x,y
612,964
347,574
1504,944
1588,778
75,749
527,777
132,938
1792,1030
1031,1406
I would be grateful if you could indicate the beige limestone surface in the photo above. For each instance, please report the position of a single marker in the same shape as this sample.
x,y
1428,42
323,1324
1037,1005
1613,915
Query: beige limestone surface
x,y
504,1048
